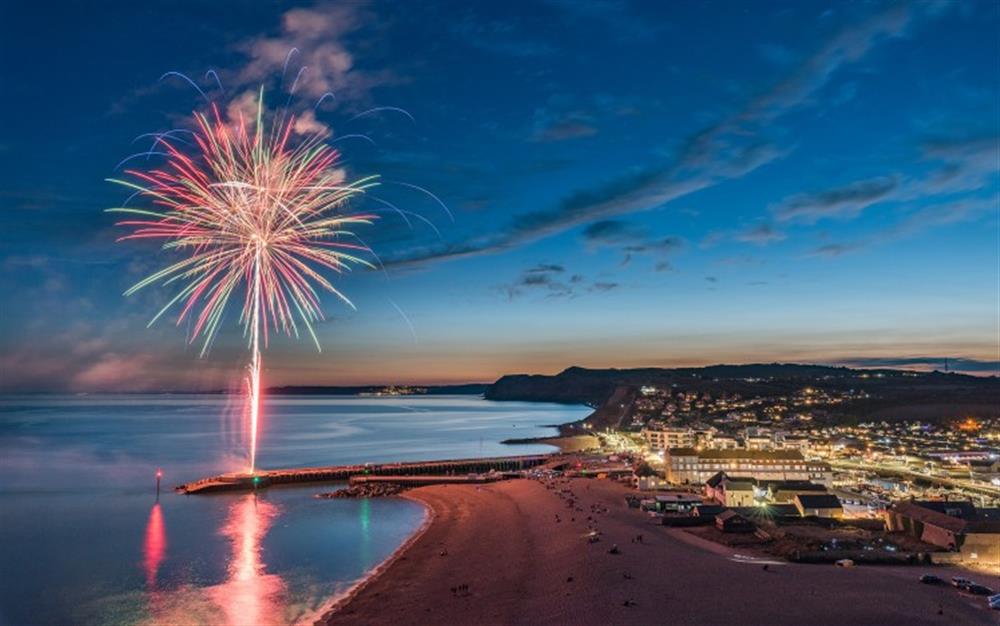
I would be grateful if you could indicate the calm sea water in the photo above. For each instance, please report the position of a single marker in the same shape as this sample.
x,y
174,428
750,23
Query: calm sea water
x,y
83,539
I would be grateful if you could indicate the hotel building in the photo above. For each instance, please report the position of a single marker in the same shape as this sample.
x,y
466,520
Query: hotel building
x,y
688,465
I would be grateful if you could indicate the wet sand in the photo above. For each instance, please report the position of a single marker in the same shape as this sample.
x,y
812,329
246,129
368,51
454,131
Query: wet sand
x,y
496,554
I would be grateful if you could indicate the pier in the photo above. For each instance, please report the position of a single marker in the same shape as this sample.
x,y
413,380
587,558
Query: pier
x,y
419,481
344,473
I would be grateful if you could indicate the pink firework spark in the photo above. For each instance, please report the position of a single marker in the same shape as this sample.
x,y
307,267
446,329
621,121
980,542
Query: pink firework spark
x,y
249,213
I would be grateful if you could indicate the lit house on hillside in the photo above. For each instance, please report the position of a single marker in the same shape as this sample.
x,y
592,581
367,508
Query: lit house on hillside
x,y
666,437
687,465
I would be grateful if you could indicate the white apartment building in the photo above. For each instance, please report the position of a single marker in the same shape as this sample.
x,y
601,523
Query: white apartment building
x,y
666,437
687,465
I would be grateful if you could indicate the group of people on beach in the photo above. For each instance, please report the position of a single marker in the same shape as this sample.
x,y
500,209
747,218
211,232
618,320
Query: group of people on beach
x,y
593,535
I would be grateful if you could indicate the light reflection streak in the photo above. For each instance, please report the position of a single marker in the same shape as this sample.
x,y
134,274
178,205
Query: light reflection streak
x,y
155,545
154,550
364,512
250,595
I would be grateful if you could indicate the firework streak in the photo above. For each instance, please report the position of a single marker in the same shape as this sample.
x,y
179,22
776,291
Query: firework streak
x,y
249,213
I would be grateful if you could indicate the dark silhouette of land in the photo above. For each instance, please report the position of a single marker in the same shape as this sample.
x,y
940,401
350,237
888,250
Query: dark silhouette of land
x,y
892,394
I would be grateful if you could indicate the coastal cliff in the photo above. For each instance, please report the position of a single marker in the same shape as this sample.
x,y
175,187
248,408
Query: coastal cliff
x,y
891,394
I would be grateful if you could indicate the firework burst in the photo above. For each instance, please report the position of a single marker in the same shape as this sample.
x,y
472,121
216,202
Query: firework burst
x,y
250,214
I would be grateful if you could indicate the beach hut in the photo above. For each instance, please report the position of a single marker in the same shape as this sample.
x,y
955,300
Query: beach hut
x,y
733,522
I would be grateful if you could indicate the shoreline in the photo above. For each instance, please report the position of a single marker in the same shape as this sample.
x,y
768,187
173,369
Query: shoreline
x,y
516,552
342,599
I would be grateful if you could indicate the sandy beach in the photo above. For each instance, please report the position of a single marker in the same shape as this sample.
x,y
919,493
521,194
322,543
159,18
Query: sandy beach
x,y
517,553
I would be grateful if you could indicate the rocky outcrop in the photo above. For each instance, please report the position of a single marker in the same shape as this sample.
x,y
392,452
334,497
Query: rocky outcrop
x,y
365,490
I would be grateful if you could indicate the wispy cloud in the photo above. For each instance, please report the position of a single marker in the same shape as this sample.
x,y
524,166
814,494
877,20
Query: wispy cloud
x,y
563,130
629,239
729,149
834,249
960,186
612,232
546,267
761,235
937,214
547,279
840,202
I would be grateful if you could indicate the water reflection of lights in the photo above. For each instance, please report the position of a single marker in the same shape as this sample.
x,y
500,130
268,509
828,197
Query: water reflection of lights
x,y
155,546
249,595
364,512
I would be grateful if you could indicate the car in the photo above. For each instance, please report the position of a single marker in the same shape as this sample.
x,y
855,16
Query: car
x,y
994,601
979,590
931,579
844,563
960,583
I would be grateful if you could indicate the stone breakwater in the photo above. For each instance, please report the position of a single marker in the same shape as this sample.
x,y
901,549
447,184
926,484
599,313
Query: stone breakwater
x,y
366,490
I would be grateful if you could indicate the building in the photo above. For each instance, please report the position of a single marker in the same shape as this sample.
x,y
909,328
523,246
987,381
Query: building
x,y
784,491
666,437
733,522
649,483
707,510
704,436
819,505
686,465
725,442
972,534
791,442
755,438
961,456
820,472
737,492
713,483
730,492
677,502
942,524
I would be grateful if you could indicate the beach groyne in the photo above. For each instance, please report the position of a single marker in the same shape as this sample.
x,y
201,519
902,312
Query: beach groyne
x,y
344,473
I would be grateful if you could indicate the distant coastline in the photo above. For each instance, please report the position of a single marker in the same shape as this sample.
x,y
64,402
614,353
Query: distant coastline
x,y
467,389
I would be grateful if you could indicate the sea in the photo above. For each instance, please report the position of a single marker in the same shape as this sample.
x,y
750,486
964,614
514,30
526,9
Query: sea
x,y
86,539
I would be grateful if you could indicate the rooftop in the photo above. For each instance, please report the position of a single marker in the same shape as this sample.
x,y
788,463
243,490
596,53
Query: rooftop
x,y
920,513
818,501
755,455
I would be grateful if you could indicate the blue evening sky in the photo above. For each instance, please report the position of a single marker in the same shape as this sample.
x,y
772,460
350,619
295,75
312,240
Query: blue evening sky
x,y
632,183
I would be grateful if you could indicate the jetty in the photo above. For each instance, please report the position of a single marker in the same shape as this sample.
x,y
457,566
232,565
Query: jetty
x,y
344,473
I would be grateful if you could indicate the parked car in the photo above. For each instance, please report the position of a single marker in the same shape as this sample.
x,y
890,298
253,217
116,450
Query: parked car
x,y
931,579
844,563
994,602
960,583
979,590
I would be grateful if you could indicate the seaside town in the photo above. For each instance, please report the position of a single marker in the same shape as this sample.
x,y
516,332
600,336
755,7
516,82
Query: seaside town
x,y
763,481
716,486
768,473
